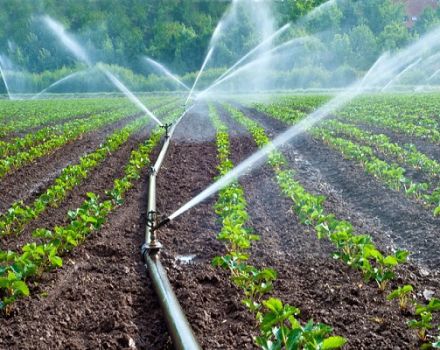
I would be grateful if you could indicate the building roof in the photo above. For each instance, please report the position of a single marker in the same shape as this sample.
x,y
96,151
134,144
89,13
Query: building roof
x,y
414,8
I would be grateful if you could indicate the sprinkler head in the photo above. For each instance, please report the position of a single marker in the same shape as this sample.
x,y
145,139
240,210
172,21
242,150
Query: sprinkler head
x,y
160,224
167,129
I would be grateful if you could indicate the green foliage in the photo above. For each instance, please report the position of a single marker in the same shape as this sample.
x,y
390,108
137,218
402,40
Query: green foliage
x,y
255,282
424,321
177,33
403,294
282,330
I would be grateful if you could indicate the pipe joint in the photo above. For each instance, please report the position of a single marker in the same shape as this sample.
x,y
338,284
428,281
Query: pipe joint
x,y
153,246
151,171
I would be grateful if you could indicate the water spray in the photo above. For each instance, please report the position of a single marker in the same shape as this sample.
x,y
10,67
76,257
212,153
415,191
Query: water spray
x,y
62,80
381,71
5,82
412,65
164,70
128,93
260,59
256,48
208,56
59,30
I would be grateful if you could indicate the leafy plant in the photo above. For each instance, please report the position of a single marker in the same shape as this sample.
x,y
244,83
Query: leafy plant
x,y
404,294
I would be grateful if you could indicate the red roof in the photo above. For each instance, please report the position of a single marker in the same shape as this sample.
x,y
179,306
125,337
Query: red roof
x,y
414,8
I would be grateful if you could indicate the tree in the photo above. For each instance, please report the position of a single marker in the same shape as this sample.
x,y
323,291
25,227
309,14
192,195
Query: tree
x,y
429,19
364,45
394,36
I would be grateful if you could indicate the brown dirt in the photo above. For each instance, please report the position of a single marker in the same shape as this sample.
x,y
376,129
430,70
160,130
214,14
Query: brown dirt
x,y
102,298
29,181
382,212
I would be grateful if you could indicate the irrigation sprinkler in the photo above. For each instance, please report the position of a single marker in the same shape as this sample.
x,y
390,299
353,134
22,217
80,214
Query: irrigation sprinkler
x,y
167,128
160,224
178,326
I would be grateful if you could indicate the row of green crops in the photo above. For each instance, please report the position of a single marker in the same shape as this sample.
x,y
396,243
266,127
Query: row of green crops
x,y
391,174
414,115
17,268
21,116
278,324
358,251
18,116
19,214
76,129
365,153
22,143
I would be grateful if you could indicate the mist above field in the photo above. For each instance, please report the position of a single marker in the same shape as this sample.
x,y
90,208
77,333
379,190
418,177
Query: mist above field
x,y
327,45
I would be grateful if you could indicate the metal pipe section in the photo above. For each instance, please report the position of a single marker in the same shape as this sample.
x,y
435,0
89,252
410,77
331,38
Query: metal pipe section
x,y
178,326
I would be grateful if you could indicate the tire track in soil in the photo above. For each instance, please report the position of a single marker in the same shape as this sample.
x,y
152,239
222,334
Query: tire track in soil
x,y
323,289
101,298
389,216
99,180
211,303
29,181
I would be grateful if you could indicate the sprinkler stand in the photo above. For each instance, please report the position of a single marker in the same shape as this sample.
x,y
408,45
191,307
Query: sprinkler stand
x,y
167,128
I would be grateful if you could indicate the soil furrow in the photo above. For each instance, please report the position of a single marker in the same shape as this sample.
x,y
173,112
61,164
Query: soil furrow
x,y
107,299
99,180
409,225
210,302
35,177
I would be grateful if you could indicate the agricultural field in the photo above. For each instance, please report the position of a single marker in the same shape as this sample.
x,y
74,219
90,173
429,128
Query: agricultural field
x,y
331,242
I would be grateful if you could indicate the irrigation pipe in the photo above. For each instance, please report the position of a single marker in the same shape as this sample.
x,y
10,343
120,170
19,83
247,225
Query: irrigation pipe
x,y
178,326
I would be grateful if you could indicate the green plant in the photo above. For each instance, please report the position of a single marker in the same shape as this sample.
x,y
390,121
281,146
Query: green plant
x,y
404,294
281,330
424,322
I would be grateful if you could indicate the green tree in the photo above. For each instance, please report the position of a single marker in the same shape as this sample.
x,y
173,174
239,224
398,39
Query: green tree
x,y
364,45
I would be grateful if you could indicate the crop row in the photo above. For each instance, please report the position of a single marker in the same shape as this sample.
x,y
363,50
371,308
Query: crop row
x,y
411,115
278,323
76,129
19,214
17,116
20,116
392,174
16,269
358,251
14,145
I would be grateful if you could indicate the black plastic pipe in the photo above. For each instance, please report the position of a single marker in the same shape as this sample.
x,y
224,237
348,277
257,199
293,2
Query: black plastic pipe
x,y
178,326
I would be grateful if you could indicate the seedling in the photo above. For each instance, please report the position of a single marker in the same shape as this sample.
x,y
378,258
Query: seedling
x,y
403,294
424,324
